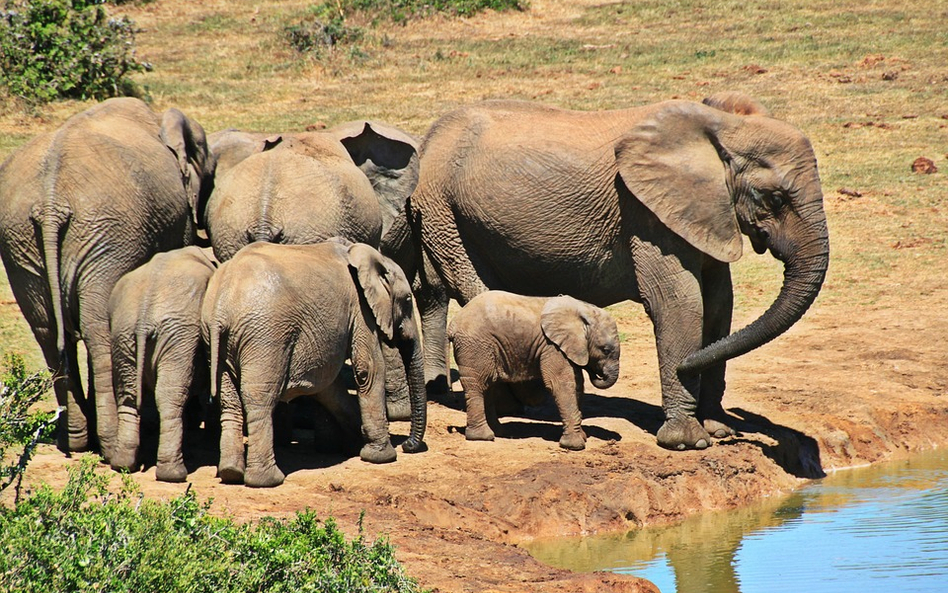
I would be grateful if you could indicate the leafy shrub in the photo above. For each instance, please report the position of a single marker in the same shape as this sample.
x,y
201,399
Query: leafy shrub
x,y
84,539
19,428
51,49
328,24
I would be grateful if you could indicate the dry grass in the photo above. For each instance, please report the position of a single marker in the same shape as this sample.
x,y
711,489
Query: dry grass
x,y
866,81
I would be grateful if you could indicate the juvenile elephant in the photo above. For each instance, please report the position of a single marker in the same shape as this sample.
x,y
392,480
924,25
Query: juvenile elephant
x,y
158,352
79,208
500,337
647,204
349,181
281,320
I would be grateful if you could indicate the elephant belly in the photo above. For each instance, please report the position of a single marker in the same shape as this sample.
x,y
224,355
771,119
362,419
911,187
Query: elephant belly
x,y
549,248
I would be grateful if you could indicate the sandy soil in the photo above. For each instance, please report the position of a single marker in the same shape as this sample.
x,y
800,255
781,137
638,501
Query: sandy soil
x,y
838,390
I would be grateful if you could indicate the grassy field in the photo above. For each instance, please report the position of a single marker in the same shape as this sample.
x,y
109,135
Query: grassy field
x,y
866,82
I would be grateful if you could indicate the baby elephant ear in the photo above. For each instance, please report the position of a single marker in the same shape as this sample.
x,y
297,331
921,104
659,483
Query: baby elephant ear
x,y
564,324
376,282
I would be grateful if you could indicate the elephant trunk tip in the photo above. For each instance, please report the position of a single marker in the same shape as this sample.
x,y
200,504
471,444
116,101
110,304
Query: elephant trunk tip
x,y
413,445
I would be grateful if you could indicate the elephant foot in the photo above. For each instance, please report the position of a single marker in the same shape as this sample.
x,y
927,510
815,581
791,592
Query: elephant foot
x,y
683,433
267,477
171,472
376,454
72,442
717,428
231,473
124,461
573,441
479,433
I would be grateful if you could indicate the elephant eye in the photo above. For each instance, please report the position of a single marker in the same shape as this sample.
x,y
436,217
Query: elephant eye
x,y
775,200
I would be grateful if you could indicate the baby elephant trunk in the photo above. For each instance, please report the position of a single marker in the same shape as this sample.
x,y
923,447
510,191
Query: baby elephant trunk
x,y
605,377
415,369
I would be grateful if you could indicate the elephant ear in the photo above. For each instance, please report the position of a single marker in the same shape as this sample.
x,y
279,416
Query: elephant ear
x,y
187,141
377,283
388,157
737,103
564,323
673,163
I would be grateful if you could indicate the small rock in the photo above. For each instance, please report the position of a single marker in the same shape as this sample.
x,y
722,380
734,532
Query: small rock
x,y
924,165
616,70
891,75
316,126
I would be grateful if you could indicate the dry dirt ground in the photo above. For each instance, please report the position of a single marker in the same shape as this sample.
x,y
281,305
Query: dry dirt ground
x,y
842,388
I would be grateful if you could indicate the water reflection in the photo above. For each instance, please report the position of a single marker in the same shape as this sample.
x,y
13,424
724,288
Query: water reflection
x,y
876,529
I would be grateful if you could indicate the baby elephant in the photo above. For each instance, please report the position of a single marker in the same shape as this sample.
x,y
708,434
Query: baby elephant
x,y
157,349
501,337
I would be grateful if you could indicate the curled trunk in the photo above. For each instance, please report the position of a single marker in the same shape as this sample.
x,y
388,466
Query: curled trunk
x,y
804,272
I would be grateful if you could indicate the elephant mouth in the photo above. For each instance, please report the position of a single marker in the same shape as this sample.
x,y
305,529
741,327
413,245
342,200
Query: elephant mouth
x,y
602,380
760,240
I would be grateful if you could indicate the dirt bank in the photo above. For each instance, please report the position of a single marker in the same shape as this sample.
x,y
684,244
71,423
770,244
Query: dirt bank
x,y
838,390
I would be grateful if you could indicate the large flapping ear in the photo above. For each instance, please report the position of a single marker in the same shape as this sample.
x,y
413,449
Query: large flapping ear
x,y
186,139
376,282
671,162
737,103
388,157
563,323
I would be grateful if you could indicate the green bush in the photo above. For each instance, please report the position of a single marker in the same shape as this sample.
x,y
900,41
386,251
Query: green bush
x,y
327,26
52,49
84,539
20,429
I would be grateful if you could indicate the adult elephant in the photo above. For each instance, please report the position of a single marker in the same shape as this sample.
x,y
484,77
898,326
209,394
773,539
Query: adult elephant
x,y
645,204
281,320
80,207
349,181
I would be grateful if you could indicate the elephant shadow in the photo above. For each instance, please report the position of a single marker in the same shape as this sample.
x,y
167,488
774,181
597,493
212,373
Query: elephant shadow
x,y
795,452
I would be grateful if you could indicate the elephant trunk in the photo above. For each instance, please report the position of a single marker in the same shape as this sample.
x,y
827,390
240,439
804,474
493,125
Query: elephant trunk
x,y
415,369
805,266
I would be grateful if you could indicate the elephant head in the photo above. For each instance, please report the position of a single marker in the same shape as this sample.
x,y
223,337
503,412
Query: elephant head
x,y
187,141
586,335
388,295
709,176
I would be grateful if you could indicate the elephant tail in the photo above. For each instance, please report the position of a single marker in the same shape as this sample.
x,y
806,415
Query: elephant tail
x,y
51,220
216,368
141,343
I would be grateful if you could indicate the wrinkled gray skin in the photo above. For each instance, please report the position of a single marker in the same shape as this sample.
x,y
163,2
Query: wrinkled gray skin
x,y
647,204
158,352
500,337
350,181
281,320
79,208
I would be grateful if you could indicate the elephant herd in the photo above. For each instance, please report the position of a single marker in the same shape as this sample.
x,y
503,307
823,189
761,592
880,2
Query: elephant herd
x,y
319,248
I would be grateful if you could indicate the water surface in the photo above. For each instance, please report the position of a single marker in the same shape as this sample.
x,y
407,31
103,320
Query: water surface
x,y
882,528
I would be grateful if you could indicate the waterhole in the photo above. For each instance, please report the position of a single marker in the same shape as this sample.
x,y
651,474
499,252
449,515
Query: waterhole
x,y
882,528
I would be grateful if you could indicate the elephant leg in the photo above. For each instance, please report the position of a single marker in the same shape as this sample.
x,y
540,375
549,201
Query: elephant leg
x,y
397,400
231,466
671,294
73,432
433,308
94,325
128,403
172,389
32,295
260,401
566,384
718,296
370,385
476,395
